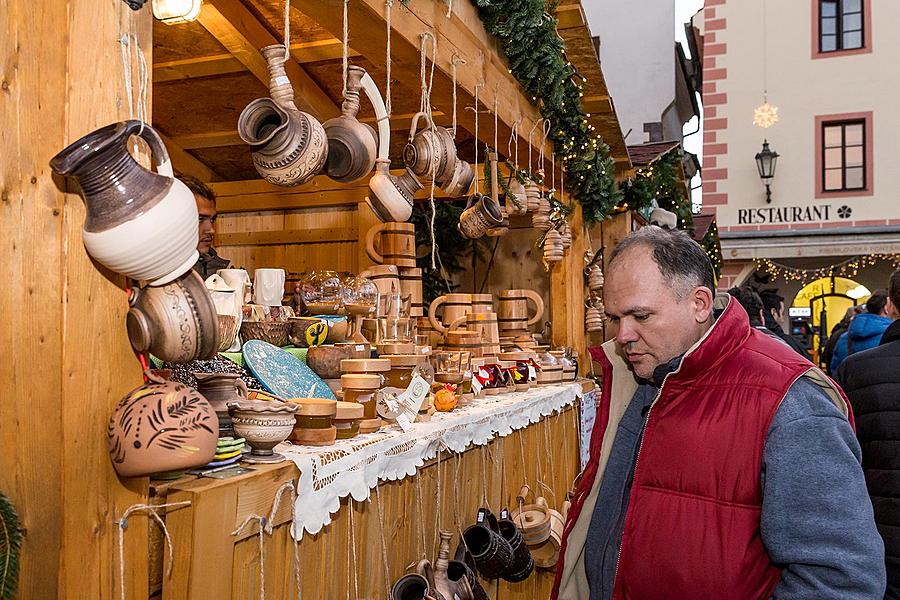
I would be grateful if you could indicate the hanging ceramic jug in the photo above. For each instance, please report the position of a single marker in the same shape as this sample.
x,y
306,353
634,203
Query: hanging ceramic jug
x,y
161,426
430,150
176,322
481,215
413,587
289,146
457,589
460,182
492,553
352,146
463,567
139,223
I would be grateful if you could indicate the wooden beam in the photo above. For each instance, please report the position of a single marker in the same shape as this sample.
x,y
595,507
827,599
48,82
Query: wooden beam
x,y
236,28
461,35
222,64
597,104
216,139
287,236
570,16
186,163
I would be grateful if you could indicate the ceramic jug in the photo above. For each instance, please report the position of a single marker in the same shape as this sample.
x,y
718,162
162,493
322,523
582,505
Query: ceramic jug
x,y
219,389
176,322
460,182
289,145
352,146
492,553
430,150
139,223
455,590
391,197
161,426
239,279
413,587
481,215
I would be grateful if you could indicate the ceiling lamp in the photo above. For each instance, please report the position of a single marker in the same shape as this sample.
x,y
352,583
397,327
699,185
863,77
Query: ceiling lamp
x,y
171,12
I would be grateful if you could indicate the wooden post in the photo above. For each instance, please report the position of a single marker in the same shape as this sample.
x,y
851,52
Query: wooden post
x,y
67,360
567,292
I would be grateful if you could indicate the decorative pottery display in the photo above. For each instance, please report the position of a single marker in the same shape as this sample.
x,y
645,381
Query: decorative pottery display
x,y
513,316
522,562
492,553
264,424
460,183
176,322
219,389
283,374
430,150
392,244
463,567
391,197
413,587
455,589
315,421
482,214
268,286
161,426
227,331
289,146
352,146
139,223
338,328
239,280
272,332
308,331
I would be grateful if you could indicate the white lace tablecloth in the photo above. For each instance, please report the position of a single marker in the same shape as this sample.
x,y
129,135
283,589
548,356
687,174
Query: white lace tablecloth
x,y
354,467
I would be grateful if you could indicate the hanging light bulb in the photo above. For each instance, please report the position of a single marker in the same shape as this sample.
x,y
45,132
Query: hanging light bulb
x,y
171,12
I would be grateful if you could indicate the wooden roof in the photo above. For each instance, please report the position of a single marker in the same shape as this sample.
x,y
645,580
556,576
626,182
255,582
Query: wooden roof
x,y
205,73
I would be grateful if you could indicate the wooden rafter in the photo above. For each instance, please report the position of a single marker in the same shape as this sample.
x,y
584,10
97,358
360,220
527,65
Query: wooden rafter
x,y
461,35
186,163
222,64
236,28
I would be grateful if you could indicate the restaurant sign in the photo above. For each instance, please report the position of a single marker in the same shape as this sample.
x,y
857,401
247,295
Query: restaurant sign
x,y
773,215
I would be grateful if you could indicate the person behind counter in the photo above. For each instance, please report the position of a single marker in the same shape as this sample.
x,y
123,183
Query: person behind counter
x,y
209,261
723,464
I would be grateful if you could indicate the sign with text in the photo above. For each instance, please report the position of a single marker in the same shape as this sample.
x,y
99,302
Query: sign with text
x,y
775,215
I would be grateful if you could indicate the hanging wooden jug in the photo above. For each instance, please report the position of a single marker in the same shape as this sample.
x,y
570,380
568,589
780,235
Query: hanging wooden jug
x,y
289,145
566,235
532,196
541,218
352,146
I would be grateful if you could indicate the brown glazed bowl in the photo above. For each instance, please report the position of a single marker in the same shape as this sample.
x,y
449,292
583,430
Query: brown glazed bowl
x,y
325,361
175,322
227,331
161,426
272,332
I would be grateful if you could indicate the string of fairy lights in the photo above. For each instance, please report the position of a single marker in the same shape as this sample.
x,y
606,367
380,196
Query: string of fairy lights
x,y
848,268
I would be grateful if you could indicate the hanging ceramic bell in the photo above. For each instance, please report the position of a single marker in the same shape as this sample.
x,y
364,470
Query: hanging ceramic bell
x,y
553,248
289,145
352,146
595,278
566,236
593,319
540,219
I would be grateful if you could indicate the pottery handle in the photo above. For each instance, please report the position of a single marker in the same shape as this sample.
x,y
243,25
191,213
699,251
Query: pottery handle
x,y
524,492
381,117
432,311
538,304
370,243
414,125
157,147
241,388
457,323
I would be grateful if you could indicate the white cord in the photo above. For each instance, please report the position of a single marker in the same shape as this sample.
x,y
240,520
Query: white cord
x,y
287,30
456,61
387,103
345,63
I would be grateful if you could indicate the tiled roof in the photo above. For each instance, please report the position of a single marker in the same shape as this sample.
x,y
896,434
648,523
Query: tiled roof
x,y
644,154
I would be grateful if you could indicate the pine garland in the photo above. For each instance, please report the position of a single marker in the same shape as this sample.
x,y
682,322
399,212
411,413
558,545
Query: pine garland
x,y
659,181
536,56
10,546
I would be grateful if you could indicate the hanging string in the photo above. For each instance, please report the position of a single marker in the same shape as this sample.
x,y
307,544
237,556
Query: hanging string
x,y
387,62
122,524
384,553
455,61
262,549
546,128
531,144
129,47
346,48
270,528
484,489
456,517
425,107
449,8
549,447
287,30
438,521
477,170
418,492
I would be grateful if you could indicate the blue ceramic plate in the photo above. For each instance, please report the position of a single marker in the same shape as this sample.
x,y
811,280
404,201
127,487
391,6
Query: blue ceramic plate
x,y
283,374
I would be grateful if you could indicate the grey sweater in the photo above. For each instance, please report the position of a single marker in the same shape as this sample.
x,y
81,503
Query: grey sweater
x,y
816,522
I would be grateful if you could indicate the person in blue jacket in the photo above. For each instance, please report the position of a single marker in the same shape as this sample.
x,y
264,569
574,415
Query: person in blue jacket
x,y
865,329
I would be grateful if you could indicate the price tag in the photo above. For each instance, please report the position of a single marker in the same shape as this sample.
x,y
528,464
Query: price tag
x,y
532,373
404,407
477,378
404,423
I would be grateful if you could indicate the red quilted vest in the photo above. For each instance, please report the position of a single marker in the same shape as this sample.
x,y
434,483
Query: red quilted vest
x,y
692,526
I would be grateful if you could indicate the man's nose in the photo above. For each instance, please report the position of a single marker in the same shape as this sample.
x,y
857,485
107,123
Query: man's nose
x,y
626,333
206,226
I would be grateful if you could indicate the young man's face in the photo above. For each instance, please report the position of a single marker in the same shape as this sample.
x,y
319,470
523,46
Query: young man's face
x,y
207,210
652,321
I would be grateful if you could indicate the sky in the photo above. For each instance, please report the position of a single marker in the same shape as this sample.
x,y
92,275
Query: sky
x,y
684,10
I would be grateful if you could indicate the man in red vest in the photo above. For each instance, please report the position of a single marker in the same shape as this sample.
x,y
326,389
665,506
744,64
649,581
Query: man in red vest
x,y
723,465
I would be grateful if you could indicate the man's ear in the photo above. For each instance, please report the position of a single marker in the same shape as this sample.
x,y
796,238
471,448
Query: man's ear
x,y
702,299
892,310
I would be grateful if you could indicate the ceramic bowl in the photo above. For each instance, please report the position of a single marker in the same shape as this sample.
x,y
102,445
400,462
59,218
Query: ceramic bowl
x,y
300,333
325,361
176,322
228,327
264,424
273,332
161,426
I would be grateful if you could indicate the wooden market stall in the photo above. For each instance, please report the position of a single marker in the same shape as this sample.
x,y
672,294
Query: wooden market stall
x,y
71,361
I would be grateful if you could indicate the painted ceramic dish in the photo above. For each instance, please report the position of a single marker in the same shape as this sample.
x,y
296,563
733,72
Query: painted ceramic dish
x,y
282,374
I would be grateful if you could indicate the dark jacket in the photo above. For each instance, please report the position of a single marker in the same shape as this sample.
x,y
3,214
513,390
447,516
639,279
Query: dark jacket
x,y
209,263
828,352
775,327
865,332
871,380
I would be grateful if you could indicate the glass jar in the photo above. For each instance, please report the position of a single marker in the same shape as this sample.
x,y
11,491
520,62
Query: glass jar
x,y
322,293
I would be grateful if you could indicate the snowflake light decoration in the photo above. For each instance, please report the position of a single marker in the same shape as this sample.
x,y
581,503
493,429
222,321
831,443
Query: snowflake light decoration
x,y
765,115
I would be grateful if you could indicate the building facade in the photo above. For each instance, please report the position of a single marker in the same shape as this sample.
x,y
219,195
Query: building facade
x,y
827,66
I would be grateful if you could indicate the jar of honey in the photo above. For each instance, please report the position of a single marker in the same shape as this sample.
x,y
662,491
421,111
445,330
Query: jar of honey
x,y
347,419
314,421
362,389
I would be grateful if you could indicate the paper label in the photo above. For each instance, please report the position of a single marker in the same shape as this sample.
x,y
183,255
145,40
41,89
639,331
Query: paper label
x,y
282,80
532,373
478,378
404,407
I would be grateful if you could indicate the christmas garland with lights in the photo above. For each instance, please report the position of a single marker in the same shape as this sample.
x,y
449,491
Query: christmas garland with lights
x,y
848,268
527,32
10,547
659,181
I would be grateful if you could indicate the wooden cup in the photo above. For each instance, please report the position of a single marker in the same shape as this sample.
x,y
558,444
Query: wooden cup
x,y
397,242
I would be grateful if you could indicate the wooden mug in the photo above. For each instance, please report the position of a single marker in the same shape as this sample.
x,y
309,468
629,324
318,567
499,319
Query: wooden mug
x,y
455,306
411,286
397,242
513,309
486,326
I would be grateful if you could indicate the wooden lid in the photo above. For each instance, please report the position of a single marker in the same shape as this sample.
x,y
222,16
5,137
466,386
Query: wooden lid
x,y
507,364
357,381
516,355
406,360
396,348
380,271
365,365
349,410
315,407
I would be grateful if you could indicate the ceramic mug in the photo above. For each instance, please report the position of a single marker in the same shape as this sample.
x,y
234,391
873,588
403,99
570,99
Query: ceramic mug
x,y
268,286
481,214
238,279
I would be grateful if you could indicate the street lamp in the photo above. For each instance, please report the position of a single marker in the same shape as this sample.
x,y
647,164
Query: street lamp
x,y
765,162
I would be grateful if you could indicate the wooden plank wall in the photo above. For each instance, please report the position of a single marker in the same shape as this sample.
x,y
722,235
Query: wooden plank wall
x,y
66,358
209,561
